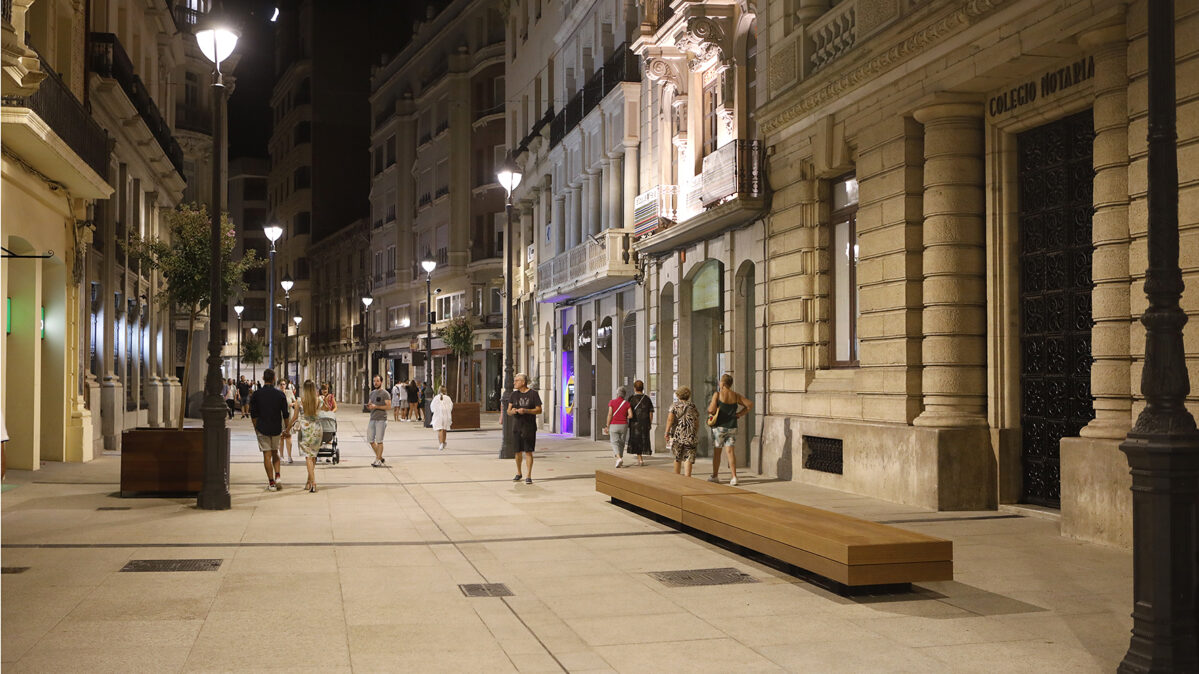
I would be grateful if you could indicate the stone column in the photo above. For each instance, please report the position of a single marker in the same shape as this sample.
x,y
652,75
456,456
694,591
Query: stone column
x,y
522,239
631,182
576,216
954,318
615,201
1110,307
585,208
559,223
596,203
112,393
604,196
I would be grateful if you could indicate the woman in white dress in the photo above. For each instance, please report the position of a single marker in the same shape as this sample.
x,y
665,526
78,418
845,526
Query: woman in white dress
x,y
442,408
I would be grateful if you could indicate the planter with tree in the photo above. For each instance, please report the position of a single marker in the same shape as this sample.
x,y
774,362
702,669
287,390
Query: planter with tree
x,y
156,461
253,352
459,337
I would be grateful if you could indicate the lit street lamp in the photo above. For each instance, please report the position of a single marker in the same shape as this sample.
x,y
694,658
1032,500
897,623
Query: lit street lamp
x,y
297,320
273,232
509,177
239,307
366,352
216,39
287,284
428,264
254,366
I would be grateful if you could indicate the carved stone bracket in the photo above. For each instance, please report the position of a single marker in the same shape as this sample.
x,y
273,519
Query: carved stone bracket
x,y
666,71
706,39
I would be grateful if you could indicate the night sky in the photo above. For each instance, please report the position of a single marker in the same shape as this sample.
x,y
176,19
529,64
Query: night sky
x,y
249,106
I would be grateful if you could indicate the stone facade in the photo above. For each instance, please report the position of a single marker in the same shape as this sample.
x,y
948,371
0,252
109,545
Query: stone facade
x,y
979,135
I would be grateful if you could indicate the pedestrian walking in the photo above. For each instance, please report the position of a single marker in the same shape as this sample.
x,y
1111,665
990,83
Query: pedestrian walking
x,y
442,409
641,418
523,407
243,393
399,411
682,430
425,393
617,425
378,403
289,391
328,404
229,393
268,413
308,428
412,394
726,408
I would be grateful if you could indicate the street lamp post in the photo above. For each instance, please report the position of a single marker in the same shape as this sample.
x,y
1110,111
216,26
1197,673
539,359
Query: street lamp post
x,y
366,352
428,264
273,232
254,366
296,319
239,307
1163,445
509,177
217,41
287,284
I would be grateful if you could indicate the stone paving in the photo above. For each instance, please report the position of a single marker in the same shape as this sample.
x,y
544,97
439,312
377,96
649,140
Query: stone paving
x,y
363,576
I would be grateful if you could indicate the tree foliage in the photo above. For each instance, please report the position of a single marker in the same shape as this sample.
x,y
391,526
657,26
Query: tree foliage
x,y
459,336
253,351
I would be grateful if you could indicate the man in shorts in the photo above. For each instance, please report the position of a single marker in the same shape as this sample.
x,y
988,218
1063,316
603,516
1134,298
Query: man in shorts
x,y
523,407
269,413
378,404
243,394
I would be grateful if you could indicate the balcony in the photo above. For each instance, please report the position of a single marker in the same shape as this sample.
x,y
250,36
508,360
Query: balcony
x,y
622,66
728,193
51,131
193,118
493,111
597,264
107,58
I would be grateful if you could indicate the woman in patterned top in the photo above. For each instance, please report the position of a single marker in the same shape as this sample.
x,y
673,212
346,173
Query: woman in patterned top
x,y
309,429
682,427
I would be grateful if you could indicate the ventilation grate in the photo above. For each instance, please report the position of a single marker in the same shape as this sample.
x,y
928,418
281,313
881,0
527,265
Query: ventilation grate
x,y
822,454
701,577
171,565
114,508
485,590
14,569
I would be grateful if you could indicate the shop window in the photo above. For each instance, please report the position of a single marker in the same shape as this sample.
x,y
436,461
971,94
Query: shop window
x,y
843,254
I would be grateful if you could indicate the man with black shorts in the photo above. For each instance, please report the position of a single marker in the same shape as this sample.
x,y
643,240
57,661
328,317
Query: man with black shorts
x,y
243,394
523,407
269,412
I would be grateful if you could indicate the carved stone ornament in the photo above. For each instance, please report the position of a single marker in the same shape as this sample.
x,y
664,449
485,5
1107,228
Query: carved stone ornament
x,y
666,72
703,38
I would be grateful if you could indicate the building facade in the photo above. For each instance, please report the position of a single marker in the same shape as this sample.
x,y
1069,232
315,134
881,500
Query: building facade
x,y
339,353
247,207
957,239
55,172
437,114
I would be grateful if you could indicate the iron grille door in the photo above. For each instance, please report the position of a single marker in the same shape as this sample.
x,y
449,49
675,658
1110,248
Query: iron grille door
x,y
1055,183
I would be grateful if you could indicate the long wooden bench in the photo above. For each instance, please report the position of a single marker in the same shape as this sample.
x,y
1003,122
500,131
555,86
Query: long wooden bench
x,y
851,551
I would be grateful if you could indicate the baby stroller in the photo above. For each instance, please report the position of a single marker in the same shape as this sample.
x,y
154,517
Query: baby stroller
x,y
328,449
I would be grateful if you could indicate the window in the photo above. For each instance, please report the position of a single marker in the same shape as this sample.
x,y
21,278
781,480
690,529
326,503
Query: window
x,y
302,271
302,178
302,133
393,318
477,307
711,119
497,301
254,189
378,153
191,90
451,306
391,150
391,260
423,314
378,264
844,257
303,223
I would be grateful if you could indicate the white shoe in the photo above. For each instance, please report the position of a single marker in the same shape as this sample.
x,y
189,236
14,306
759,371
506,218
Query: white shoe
x,y
733,482
441,446
619,461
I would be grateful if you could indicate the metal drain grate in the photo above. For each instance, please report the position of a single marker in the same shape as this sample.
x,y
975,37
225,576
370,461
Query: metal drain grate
x,y
14,569
114,508
172,565
700,577
485,590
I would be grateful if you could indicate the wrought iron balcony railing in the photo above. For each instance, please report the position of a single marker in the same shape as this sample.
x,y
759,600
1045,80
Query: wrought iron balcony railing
x,y
107,58
54,103
622,66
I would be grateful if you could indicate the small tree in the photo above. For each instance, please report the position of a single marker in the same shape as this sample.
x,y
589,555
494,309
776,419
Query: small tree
x,y
253,351
459,336
184,260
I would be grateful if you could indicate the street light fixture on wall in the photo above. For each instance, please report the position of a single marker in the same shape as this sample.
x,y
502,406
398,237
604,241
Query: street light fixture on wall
x,y
238,308
428,264
273,232
216,38
366,352
509,177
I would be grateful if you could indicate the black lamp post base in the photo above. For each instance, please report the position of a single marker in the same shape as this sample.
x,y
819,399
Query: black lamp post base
x,y
507,450
214,494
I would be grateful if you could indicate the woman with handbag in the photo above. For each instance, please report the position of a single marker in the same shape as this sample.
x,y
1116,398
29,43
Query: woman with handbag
x,y
723,414
682,430
617,425
641,417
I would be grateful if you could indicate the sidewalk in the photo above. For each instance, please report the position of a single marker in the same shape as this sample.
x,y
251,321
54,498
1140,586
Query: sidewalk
x,y
363,576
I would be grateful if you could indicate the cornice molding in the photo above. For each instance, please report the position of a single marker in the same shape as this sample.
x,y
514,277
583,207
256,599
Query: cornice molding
x,y
906,49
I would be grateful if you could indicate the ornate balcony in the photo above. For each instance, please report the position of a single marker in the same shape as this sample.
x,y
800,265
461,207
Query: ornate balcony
x,y
597,264
728,193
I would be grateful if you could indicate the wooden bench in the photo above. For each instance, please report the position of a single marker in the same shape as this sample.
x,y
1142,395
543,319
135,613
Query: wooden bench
x,y
845,549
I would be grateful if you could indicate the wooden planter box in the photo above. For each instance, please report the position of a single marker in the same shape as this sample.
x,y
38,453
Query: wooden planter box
x,y
162,462
466,416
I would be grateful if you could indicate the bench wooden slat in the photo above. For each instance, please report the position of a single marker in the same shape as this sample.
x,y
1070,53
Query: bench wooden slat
x,y
841,538
661,486
639,500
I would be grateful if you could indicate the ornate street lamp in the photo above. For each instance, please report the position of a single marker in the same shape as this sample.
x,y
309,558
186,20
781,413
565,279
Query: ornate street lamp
x,y
1163,445
366,314
428,264
297,320
216,38
254,366
239,307
273,232
287,284
509,177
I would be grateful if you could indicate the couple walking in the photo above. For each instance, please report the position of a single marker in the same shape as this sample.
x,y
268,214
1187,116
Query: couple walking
x,y
682,427
629,422
274,416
